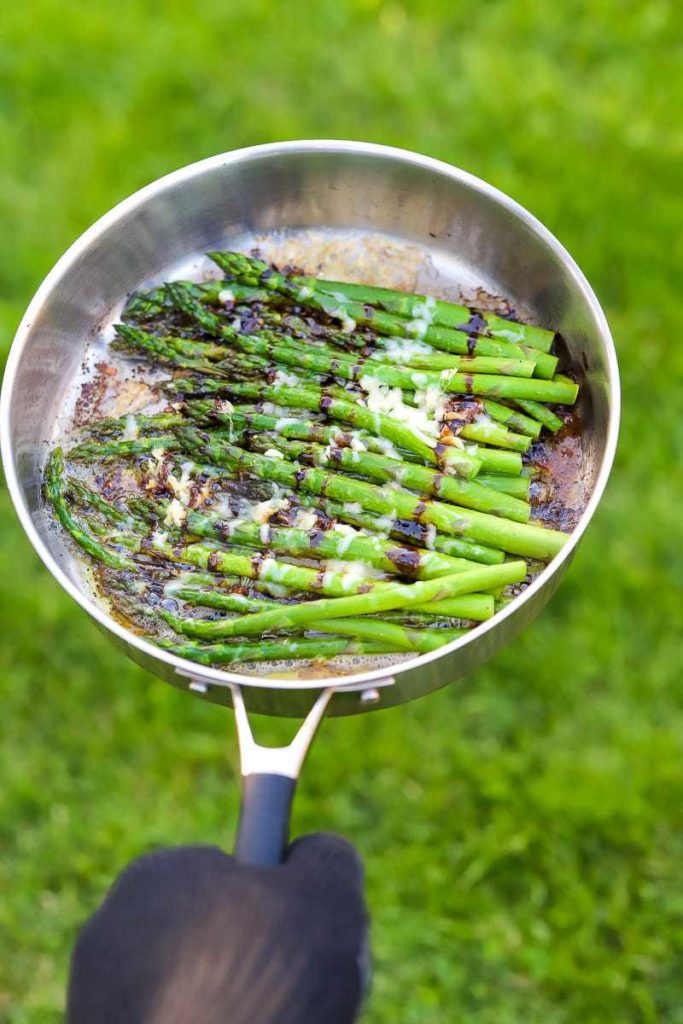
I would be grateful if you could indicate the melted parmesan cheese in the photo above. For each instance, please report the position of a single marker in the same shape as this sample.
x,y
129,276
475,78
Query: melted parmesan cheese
x,y
389,402
353,574
154,467
305,519
285,380
418,327
348,534
262,512
181,488
402,350
425,310
132,431
176,514
383,445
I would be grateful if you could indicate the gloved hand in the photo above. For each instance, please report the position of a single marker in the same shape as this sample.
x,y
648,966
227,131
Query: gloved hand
x,y
190,936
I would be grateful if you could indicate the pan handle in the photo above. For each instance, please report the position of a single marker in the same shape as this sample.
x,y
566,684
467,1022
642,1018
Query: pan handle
x,y
269,777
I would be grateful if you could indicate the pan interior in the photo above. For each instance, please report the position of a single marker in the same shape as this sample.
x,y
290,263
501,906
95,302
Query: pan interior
x,y
107,384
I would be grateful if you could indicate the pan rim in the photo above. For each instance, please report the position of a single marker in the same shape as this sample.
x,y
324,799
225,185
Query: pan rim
x,y
219,677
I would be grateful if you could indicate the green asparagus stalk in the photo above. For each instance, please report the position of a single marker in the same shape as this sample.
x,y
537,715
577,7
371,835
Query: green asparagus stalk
x,y
87,498
397,638
474,607
206,358
514,420
480,607
438,362
517,486
115,427
132,340
311,613
314,649
145,305
483,432
414,618
562,392
540,412
517,538
55,493
493,460
95,451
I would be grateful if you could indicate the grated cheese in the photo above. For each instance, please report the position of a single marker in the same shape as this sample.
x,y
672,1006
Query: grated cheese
x,y
262,512
402,350
132,431
181,488
353,573
382,524
176,514
385,446
389,402
233,526
418,327
285,380
425,310
305,519
345,529
154,467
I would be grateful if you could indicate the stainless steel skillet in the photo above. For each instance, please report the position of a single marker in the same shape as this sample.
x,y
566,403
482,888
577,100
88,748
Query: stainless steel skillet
x,y
375,204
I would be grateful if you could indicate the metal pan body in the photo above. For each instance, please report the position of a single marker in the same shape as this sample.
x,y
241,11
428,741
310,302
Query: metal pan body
x,y
471,235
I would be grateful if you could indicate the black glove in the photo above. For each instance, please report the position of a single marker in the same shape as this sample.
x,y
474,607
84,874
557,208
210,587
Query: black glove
x,y
189,936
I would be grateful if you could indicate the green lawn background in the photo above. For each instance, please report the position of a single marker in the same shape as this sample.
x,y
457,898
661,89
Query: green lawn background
x,y
522,830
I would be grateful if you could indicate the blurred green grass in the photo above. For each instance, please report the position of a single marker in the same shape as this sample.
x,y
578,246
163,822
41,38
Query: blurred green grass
x,y
522,830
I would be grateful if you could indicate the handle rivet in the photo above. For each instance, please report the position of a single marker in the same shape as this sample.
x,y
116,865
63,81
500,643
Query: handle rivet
x,y
369,697
198,687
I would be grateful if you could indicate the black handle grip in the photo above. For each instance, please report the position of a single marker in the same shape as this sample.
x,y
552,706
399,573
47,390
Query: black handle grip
x,y
263,830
